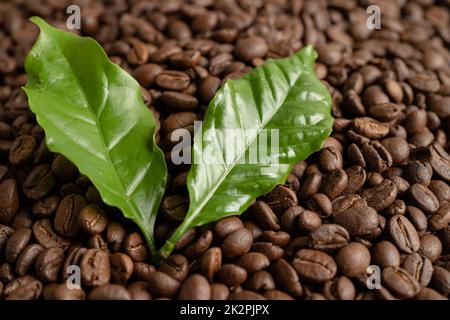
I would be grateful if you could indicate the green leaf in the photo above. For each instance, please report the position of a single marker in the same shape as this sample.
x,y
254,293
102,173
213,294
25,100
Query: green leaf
x,y
92,113
282,94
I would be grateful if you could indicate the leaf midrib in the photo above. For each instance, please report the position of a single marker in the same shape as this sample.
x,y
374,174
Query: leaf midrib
x,y
192,216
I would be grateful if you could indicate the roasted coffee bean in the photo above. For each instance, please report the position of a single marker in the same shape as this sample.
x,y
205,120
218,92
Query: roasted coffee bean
x,y
142,271
358,221
219,291
353,259
415,121
270,250
16,243
121,267
133,245
419,267
176,101
289,218
64,169
175,266
138,291
43,233
196,287
382,195
440,280
328,237
45,208
440,161
356,178
419,172
115,234
280,199
66,218
5,233
343,203
211,262
61,291
226,226
287,278
199,246
75,253
321,204
39,182
430,246
314,265
22,150
330,159
260,281
423,198
245,295
311,185
370,128
401,184
255,230
253,261
109,292
340,288
334,183
178,120
145,74
385,254
441,190
308,221
376,156
232,275
441,218
9,200
403,234
22,219
400,282
95,268
49,263
429,294
397,147
250,48
92,219
279,238
237,243
265,217
27,258
417,218
208,88
23,288
172,80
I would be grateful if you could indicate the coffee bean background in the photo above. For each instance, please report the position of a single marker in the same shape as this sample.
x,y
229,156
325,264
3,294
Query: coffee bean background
x,y
378,192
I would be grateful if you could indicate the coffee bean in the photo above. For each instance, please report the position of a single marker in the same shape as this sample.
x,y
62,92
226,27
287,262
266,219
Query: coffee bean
x,y
441,218
314,265
419,267
356,179
370,128
397,147
334,183
199,246
343,203
376,156
49,263
74,255
45,208
287,278
92,219
95,268
440,280
175,266
270,250
172,80
403,234
232,275
211,262
400,282
23,288
308,221
250,48
264,216
382,195
66,218
423,198
311,185
16,243
176,101
22,150
440,161
328,238
226,226
429,294
353,259
61,291
46,237
219,291
245,295
109,292
142,271
196,287
121,267
279,238
27,258
237,243
208,88
430,246
359,221
253,261
145,74
419,172
39,182
321,204
115,234
330,159
138,291
178,120
9,200
340,288
441,190
133,245
260,281
280,199
385,254
424,83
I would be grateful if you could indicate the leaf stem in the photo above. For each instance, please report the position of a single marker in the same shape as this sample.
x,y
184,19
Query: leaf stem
x,y
166,250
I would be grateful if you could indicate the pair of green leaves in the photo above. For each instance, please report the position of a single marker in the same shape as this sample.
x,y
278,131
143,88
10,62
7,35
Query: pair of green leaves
x,y
92,112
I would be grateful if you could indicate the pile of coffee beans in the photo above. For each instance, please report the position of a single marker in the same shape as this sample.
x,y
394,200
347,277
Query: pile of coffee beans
x,y
376,195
